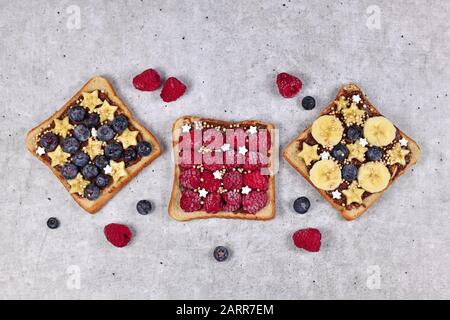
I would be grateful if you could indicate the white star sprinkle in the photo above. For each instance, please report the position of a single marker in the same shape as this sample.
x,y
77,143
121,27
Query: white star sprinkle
x,y
40,151
225,147
107,169
243,150
324,155
246,190
94,133
363,142
186,127
203,193
217,175
356,98
252,130
336,194
403,142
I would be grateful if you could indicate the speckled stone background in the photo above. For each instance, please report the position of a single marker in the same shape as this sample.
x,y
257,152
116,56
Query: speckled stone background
x,y
228,53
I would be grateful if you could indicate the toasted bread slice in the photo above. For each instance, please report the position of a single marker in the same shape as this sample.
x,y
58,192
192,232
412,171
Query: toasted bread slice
x,y
291,155
175,211
100,84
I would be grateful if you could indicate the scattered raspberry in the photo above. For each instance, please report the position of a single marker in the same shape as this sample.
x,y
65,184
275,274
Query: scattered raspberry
x,y
190,178
254,201
210,183
308,239
232,200
256,180
190,201
232,180
288,85
188,158
118,234
255,160
149,80
213,202
172,90
213,139
213,161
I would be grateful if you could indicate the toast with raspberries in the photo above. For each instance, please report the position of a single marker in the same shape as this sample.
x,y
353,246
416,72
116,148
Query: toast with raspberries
x,y
223,169
93,144
351,154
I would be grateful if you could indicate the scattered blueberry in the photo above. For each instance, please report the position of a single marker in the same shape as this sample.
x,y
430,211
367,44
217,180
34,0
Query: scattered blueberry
x,y
105,133
52,223
354,132
77,113
92,120
120,123
308,103
144,148
129,154
221,253
90,171
349,172
49,141
69,171
102,180
92,192
113,150
70,145
101,161
301,205
144,207
374,153
81,132
339,152
80,159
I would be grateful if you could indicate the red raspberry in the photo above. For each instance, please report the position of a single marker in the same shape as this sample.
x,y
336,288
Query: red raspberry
x,y
213,139
190,178
192,158
232,200
254,201
232,180
255,160
210,183
256,180
190,201
149,80
118,234
288,85
213,202
213,161
308,239
172,90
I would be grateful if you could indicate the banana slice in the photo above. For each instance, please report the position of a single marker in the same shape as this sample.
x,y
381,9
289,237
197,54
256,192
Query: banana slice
x,y
326,175
327,130
379,131
373,176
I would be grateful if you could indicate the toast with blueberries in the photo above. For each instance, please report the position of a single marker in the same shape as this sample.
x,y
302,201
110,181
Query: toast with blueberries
x,y
93,144
351,153
223,169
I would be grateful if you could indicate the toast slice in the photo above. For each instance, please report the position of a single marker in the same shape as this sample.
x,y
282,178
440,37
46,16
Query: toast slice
x,y
134,136
175,209
353,210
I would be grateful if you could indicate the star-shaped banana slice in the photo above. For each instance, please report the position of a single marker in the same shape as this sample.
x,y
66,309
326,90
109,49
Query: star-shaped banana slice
x,y
128,138
90,100
78,184
58,157
62,127
93,148
309,153
353,115
106,111
341,103
118,170
353,193
397,155
356,151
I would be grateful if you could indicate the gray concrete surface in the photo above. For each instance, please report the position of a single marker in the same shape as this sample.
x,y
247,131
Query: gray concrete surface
x,y
228,52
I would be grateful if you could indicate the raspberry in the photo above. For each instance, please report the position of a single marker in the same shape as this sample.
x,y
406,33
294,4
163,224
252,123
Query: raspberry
x,y
213,161
308,239
232,180
256,180
190,201
213,202
232,200
190,178
149,80
118,234
188,158
172,90
255,160
254,201
210,183
288,85
213,139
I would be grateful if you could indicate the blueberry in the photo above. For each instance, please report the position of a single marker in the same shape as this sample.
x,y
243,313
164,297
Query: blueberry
x,y
69,171
52,223
49,141
144,148
77,113
301,205
221,253
92,120
144,207
101,161
105,133
349,172
339,152
113,150
374,153
308,103
354,132
90,171
129,154
120,123
80,159
92,192
102,180
81,132
70,145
